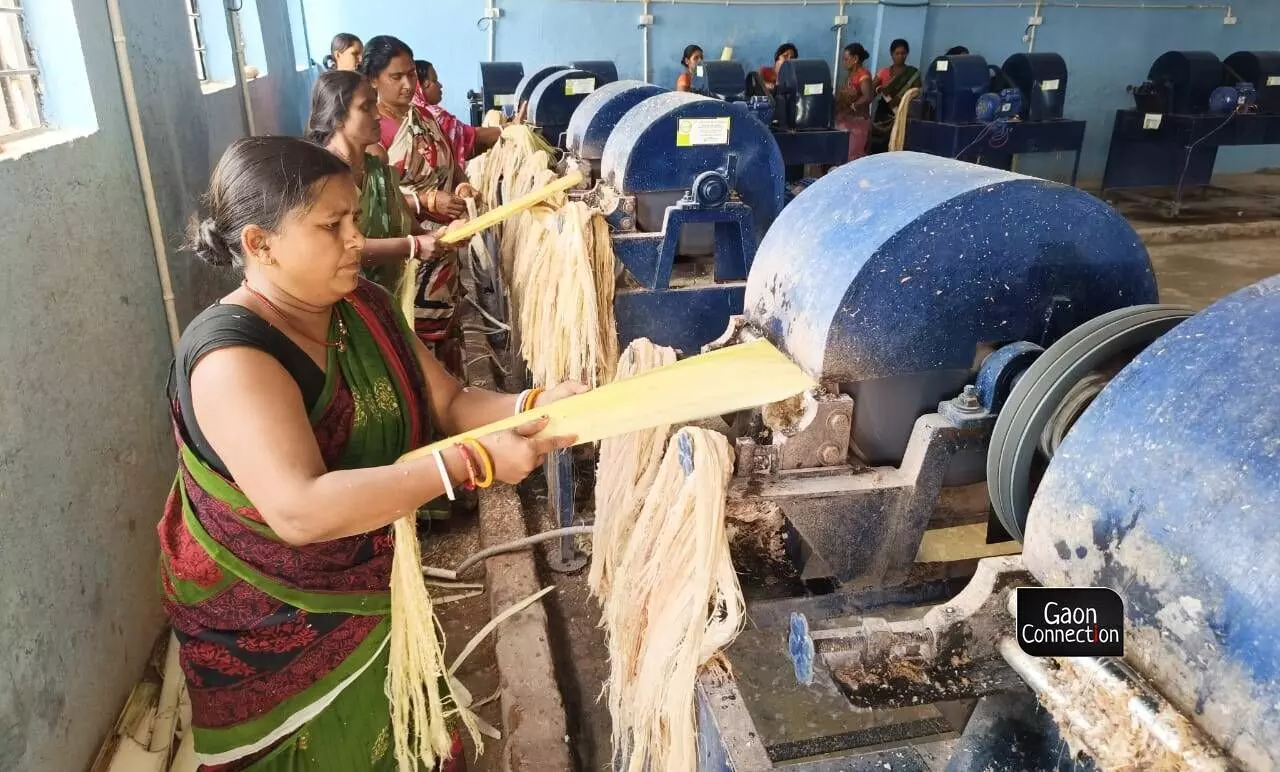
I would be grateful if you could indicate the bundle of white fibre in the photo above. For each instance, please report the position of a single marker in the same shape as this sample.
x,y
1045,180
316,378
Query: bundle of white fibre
x,y
671,604
627,468
420,707
561,291
557,263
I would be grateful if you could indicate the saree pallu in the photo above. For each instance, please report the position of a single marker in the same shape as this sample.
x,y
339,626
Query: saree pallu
x,y
419,151
284,648
461,136
383,215
892,89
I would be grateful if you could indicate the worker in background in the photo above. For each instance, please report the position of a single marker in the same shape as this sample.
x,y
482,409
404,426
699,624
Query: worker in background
x,y
344,119
345,52
431,177
891,84
466,140
853,99
770,74
691,59
291,398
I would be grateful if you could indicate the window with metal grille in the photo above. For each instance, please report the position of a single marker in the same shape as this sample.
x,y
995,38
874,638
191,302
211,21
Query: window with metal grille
x,y
197,38
19,76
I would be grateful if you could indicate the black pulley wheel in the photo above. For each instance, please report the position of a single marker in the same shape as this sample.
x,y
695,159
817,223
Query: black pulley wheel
x,y
1014,456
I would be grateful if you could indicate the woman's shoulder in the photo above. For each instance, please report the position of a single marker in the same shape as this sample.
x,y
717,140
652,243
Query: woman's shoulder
x,y
684,79
222,325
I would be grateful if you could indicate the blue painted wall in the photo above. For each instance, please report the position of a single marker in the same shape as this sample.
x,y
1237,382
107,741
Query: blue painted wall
x,y
538,32
1105,49
86,449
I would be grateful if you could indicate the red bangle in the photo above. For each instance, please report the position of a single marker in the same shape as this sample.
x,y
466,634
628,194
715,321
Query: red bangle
x,y
471,464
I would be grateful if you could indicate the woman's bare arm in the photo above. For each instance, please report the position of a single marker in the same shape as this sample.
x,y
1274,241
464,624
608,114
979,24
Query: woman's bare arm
x,y
251,411
379,252
864,95
455,408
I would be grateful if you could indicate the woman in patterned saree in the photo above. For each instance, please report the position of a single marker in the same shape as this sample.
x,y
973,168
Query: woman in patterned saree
x,y
291,398
344,118
467,141
432,180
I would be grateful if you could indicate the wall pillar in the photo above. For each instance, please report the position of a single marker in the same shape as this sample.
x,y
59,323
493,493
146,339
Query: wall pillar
x,y
892,22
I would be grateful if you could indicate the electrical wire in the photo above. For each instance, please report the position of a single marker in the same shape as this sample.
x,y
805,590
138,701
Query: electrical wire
x,y
1186,165
999,132
501,324
520,544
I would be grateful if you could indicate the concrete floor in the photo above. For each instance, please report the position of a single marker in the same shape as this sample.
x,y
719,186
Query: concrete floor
x,y
1189,271
1198,273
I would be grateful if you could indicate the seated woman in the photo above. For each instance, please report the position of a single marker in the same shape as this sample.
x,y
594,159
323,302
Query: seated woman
x,y
770,74
853,99
344,118
891,83
345,52
691,59
467,141
430,177
291,398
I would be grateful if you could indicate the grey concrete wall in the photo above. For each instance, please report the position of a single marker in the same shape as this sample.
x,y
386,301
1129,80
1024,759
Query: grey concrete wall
x,y
86,454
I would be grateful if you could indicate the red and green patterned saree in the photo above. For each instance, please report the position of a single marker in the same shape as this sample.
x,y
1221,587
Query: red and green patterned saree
x,y
285,648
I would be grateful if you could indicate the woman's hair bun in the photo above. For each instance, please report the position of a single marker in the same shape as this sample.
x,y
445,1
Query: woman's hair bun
x,y
209,245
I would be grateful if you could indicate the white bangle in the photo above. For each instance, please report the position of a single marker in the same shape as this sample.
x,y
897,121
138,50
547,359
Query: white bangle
x,y
413,247
444,475
417,204
520,401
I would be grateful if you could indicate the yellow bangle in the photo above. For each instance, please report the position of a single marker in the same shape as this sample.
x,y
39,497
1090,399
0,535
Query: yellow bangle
x,y
431,200
486,461
531,399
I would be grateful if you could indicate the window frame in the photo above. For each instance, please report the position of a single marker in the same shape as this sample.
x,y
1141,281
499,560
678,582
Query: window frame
x,y
31,71
199,41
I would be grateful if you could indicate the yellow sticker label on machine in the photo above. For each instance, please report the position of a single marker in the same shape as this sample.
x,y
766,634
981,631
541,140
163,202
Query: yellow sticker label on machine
x,y
579,86
692,132
811,89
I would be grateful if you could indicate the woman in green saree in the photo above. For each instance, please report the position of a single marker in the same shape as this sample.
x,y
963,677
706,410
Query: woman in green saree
x,y
291,399
891,83
344,118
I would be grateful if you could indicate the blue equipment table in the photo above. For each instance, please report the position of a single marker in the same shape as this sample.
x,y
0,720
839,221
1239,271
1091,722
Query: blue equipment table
x,y
998,148
1151,150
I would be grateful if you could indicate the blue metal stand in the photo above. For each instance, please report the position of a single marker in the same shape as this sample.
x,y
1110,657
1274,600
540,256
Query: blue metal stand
x,y
560,484
958,139
1180,151
819,146
684,318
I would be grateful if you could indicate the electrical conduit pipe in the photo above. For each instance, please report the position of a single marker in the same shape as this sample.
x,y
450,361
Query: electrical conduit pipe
x,y
144,170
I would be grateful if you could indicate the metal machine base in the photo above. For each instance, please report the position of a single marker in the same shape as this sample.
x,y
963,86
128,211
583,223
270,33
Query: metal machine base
x,y
1177,152
948,655
862,528
828,147
684,317
961,140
